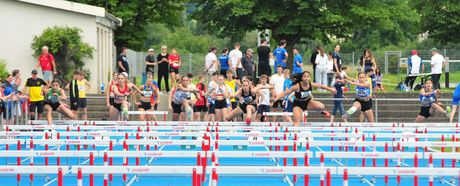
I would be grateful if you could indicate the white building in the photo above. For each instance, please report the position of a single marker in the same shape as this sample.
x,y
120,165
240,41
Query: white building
x,y
21,20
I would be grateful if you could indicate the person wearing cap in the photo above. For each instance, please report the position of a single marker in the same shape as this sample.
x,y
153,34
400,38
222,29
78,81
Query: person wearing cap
x,y
415,64
47,64
248,63
437,62
211,61
35,87
150,61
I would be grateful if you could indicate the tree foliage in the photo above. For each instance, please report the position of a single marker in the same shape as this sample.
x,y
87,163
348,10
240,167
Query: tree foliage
x,y
136,16
441,19
3,70
294,20
67,47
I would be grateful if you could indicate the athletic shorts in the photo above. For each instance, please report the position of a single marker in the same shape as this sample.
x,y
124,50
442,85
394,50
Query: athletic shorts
x,y
171,70
117,106
301,104
48,76
78,103
244,107
365,105
201,108
455,99
263,108
212,109
220,104
425,112
279,104
36,105
111,101
234,105
177,108
145,105
53,106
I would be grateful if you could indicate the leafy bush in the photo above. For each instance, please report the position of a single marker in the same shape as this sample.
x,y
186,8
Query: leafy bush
x,y
68,48
3,71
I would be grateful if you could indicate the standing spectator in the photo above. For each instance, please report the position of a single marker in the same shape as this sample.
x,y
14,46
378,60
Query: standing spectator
x,y
298,62
338,104
313,60
78,88
9,97
35,87
263,51
16,75
47,63
224,62
174,63
414,64
437,62
330,70
235,59
337,59
122,61
150,62
211,61
321,63
277,80
163,67
248,64
281,55
367,61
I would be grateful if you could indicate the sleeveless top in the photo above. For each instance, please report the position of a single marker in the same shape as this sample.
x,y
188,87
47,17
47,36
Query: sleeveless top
x,y
51,98
303,95
124,91
111,94
426,101
148,91
248,98
220,91
180,95
362,92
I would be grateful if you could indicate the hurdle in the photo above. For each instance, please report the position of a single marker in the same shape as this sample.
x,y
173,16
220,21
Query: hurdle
x,y
164,113
304,118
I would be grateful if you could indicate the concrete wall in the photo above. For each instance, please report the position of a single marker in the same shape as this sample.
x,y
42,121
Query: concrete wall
x,y
22,21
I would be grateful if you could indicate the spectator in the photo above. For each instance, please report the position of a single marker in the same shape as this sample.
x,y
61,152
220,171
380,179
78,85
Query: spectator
x,y
367,61
437,62
211,61
174,63
163,67
414,64
122,61
277,81
378,79
47,63
330,70
263,51
281,55
321,62
9,97
338,103
313,60
337,59
235,59
16,75
78,88
150,61
298,62
248,63
35,86
224,62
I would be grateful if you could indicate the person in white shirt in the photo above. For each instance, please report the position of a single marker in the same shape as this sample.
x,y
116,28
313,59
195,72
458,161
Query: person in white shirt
x,y
277,81
330,70
211,61
415,64
235,60
321,63
437,62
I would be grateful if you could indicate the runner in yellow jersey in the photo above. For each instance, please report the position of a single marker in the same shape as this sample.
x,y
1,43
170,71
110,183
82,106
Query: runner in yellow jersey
x,y
233,84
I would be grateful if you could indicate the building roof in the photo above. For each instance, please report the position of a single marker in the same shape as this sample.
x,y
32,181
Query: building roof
x,y
76,7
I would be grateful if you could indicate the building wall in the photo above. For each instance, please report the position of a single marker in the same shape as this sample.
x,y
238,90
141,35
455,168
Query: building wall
x,y
22,21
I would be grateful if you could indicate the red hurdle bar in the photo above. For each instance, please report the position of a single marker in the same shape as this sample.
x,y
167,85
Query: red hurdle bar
x,y
194,180
31,176
345,177
328,177
106,181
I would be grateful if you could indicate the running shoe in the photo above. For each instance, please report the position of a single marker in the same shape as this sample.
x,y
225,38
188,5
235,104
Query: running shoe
x,y
448,110
326,114
248,121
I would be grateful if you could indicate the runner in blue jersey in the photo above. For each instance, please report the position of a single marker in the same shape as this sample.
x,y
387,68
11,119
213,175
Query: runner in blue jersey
x,y
455,102
363,100
428,102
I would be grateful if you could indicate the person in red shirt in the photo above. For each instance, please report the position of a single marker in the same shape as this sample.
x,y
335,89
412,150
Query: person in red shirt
x,y
47,64
200,105
174,63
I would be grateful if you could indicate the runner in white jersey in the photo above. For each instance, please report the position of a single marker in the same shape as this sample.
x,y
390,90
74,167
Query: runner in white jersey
x,y
264,99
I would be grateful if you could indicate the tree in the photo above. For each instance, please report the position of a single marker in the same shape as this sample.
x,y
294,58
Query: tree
x,y
68,48
136,16
294,20
441,19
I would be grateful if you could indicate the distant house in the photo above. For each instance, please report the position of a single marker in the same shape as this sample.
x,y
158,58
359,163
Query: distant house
x,y
22,19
